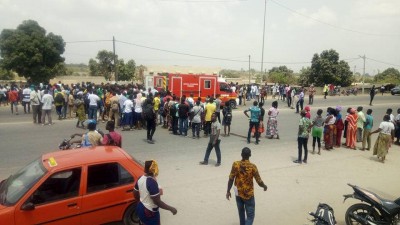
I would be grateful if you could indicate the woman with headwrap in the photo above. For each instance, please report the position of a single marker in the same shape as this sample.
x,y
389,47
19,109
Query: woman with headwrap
x,y
385,138
339,126
147,190
272,124
351,129
329,129
80,109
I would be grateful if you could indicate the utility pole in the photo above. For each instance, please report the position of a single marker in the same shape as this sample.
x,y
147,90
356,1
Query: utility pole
x,y
249,70
363,77
262,53
115,62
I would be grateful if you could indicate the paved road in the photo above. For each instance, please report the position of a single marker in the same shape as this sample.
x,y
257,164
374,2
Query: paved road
x,y
198,192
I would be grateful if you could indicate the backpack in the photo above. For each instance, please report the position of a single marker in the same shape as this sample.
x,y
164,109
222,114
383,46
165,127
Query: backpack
x,y
182,111
59,98
111,141
114,107
172,110
148,112
228,116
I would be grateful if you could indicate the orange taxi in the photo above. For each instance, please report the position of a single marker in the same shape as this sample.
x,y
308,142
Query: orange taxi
x,y
85,186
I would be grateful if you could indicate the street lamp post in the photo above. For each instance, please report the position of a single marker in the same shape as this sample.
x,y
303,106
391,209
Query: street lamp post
x,y
262,53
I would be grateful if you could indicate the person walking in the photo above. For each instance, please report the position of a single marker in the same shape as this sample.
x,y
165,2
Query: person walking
x,y
214,141
385,138
371,95
254,117
302,139
242,174
367,130
149,193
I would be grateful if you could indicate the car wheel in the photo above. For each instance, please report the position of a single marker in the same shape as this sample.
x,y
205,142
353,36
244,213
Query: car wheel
x,y
130,216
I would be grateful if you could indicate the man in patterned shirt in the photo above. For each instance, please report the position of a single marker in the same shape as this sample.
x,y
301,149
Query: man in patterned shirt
x,y
242,174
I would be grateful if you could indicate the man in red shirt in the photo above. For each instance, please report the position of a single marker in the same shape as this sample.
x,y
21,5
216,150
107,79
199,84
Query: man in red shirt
x,y
113,137
13,98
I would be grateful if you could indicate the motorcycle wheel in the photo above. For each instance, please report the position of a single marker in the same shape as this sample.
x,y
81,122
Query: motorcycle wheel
x,y
362,210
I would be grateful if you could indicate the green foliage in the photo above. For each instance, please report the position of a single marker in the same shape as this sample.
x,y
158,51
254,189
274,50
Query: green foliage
x,y
6,74
76,69
281,75
104,66
327,69
126,72
31,53
390,75
305,76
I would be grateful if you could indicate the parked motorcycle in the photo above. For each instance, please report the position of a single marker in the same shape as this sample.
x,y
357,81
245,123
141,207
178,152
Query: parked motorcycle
x,y
323,215
65,145
373,211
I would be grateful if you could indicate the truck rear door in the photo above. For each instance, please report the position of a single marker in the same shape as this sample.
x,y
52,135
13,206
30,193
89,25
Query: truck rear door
x,y
208,86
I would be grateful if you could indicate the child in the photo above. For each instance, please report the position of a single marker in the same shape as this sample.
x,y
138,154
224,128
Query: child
x,y
227,118
317,129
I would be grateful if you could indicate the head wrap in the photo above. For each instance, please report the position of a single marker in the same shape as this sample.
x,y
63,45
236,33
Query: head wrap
x,y
154,168
307,108
338,108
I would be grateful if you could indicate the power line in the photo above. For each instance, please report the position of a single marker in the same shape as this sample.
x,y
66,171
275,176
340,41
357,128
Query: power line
x,y
203,1
94,41
383,62
328,24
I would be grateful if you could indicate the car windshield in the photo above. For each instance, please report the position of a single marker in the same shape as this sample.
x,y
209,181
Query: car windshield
x,y
17,185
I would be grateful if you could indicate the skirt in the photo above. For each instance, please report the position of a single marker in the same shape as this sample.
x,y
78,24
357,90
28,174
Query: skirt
x,y
317,132
272,127
382,145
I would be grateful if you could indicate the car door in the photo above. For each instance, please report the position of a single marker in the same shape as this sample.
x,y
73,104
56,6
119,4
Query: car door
x,y
56,200
109,191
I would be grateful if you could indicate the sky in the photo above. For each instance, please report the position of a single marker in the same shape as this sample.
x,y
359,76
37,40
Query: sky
x,y
220,33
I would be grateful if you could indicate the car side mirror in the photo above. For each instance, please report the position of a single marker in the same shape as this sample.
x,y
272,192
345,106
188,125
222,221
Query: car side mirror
x,y
28,206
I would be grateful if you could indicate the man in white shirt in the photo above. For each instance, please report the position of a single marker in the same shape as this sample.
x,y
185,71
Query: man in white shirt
x,y
35,98
26,102
47,101
93,101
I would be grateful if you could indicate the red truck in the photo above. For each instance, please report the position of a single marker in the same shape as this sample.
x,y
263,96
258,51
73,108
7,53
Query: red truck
x,y
199,85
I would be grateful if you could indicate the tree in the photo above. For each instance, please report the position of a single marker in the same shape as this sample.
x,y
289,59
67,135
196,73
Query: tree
x,y
305,76
390,75
31,53
126,71
327,69
230,73
281,75
104,66
6,74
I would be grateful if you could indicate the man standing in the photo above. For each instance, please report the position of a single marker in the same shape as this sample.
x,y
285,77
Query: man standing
x,y
47,101
371,94
360,123
367,130
93,101
325,90
209,111
302,139
217,102
34,97
26,101
311,92
183,112
300,102
242,173
214,141
255,113
13,98
114,113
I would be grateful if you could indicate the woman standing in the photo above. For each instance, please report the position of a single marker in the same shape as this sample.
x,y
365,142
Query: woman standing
x,y
137,116
329,129
317,129
339,126
351,129
272,124
80,109
147,190
385,138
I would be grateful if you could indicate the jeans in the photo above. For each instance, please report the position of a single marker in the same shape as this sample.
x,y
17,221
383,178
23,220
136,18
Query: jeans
x,y
48,113
207,128
246,208
299,103
196,129
302,143
58,110
218,114
92,112
27,107
183,126
255,125
289,101
366,138
37,114
240,99
175,125
217,151
310,99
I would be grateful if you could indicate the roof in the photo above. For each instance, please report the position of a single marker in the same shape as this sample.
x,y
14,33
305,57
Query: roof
x,y
78,157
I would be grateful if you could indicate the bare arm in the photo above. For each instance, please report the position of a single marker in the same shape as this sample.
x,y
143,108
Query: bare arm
x,y
157,200
228,191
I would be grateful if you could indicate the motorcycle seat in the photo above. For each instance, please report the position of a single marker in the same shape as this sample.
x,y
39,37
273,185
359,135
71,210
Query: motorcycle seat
x,y
390,206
